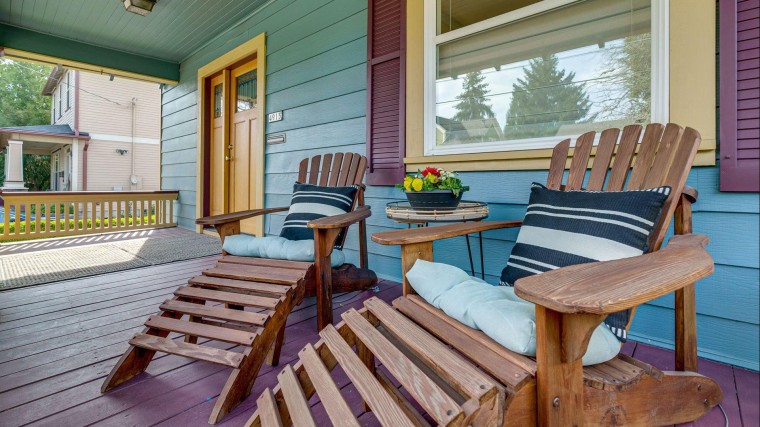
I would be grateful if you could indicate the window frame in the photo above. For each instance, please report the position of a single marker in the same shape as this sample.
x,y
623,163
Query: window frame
x,y
68,90
60,102
660,76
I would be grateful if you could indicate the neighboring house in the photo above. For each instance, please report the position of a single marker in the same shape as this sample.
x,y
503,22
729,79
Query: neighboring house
x,y
362,76
104,134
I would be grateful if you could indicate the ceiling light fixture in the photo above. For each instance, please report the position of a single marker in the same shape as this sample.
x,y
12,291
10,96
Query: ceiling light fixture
x,y
140,7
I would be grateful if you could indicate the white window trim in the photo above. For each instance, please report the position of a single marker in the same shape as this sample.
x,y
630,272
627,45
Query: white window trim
x,y
660,73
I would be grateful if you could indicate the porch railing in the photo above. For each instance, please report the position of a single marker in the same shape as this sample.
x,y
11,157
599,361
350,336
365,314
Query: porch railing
x,y
38,214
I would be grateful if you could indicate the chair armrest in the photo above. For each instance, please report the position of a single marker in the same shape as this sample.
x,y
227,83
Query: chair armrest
x,y
610,286
691,193
236,216
342,220
430,234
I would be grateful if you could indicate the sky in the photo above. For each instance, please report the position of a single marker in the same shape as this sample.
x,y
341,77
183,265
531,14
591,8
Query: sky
x,y
587,63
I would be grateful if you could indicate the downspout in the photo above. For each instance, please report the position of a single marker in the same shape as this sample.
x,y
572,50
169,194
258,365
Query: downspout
x,y
76,130
133,178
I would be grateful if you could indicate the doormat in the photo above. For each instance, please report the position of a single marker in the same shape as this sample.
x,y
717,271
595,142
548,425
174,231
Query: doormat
x,y
35,268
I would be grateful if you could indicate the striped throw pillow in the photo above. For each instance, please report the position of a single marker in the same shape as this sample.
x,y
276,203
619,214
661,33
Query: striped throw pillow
x,y
312,202
564,228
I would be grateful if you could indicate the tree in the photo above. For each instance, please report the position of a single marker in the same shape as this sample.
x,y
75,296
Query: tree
x,y
472,101
627,80
545,99
22,104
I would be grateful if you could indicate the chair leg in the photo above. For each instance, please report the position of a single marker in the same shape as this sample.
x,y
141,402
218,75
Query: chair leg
x,y
685,302
324,239
273,359
132,363
239,384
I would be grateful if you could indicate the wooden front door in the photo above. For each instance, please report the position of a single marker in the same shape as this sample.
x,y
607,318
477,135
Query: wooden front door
x,y
234,135
218,154
243,134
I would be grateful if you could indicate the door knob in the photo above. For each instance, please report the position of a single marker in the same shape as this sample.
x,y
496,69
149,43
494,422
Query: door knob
x,y
227,158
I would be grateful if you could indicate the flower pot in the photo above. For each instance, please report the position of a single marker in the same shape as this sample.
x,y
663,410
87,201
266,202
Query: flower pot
x,y
435,199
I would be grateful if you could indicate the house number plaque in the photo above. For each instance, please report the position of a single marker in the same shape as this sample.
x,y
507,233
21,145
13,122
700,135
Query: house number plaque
x,y
274,117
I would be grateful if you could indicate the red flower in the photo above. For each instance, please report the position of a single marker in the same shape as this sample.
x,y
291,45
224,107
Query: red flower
x,y
432,170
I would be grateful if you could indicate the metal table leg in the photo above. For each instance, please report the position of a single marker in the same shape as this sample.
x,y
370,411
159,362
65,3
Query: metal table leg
x,y
469,252
482,255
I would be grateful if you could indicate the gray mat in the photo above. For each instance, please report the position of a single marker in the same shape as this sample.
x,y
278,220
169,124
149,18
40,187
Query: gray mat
x,y
36,268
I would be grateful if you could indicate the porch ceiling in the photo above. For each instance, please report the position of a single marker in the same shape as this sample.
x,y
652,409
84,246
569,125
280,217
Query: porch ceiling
x,y
102,33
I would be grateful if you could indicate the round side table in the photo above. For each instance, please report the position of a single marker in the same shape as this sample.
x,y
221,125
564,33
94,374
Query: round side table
x,y
467,210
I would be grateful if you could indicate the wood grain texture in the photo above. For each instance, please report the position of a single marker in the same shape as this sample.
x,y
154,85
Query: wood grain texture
x,y
227,297
436,402
602,158
239,285
579,162
213,312
194,351
267,410
460,374
295,399
611,286
383,406
336,407
623,158
429,234
201,330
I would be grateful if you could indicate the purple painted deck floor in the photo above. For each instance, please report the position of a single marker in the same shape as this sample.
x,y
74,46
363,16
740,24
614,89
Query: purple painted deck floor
x,y
59,341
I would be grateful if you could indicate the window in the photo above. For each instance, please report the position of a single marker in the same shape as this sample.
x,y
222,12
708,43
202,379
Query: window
x,y
246,91
52,103
517,75
68,90
60,102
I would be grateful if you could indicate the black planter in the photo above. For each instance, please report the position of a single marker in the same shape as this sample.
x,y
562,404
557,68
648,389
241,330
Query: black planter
x,y
436,199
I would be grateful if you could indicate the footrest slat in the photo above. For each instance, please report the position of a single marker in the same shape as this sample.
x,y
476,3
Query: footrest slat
x,y
256,273
194,351
220,313
200,330
242,285
227,297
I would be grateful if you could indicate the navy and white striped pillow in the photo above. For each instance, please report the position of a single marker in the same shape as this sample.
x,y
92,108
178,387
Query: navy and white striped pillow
x,y
564,228
312,202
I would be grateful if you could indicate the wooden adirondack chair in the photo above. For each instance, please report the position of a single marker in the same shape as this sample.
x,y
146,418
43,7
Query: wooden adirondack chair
x,y
271,287
459,376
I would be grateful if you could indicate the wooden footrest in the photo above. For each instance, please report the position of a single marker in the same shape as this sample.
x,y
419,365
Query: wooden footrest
x,y
449,389
218,333
240,285
194,351
219,313
256,273
227,297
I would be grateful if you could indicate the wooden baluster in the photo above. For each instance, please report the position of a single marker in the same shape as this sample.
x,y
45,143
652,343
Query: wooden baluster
x,y
27,213
37,221
76,218
47,218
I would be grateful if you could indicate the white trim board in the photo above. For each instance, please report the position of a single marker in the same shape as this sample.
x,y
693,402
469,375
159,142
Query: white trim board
x,y
120,138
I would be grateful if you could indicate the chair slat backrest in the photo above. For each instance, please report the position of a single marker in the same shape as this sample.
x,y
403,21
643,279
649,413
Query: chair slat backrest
x,y
335,170
664,156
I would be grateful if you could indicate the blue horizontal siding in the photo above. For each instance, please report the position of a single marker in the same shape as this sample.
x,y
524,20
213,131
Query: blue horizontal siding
x,y
316,74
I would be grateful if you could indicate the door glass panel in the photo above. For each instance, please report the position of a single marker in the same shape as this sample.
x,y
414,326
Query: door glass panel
x,y
246,91
218,100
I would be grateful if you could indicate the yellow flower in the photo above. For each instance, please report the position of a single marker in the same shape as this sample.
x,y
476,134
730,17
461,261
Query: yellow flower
x,y
408,183
432,178
417,184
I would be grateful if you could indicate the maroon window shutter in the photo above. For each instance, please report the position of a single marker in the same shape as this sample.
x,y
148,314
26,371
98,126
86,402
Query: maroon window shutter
x,y
386,60
739,95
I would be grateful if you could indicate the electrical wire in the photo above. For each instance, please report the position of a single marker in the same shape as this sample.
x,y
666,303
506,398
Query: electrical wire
x,y
59,81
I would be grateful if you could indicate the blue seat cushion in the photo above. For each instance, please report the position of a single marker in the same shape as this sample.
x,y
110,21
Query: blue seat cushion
x,y
495,310
276,247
